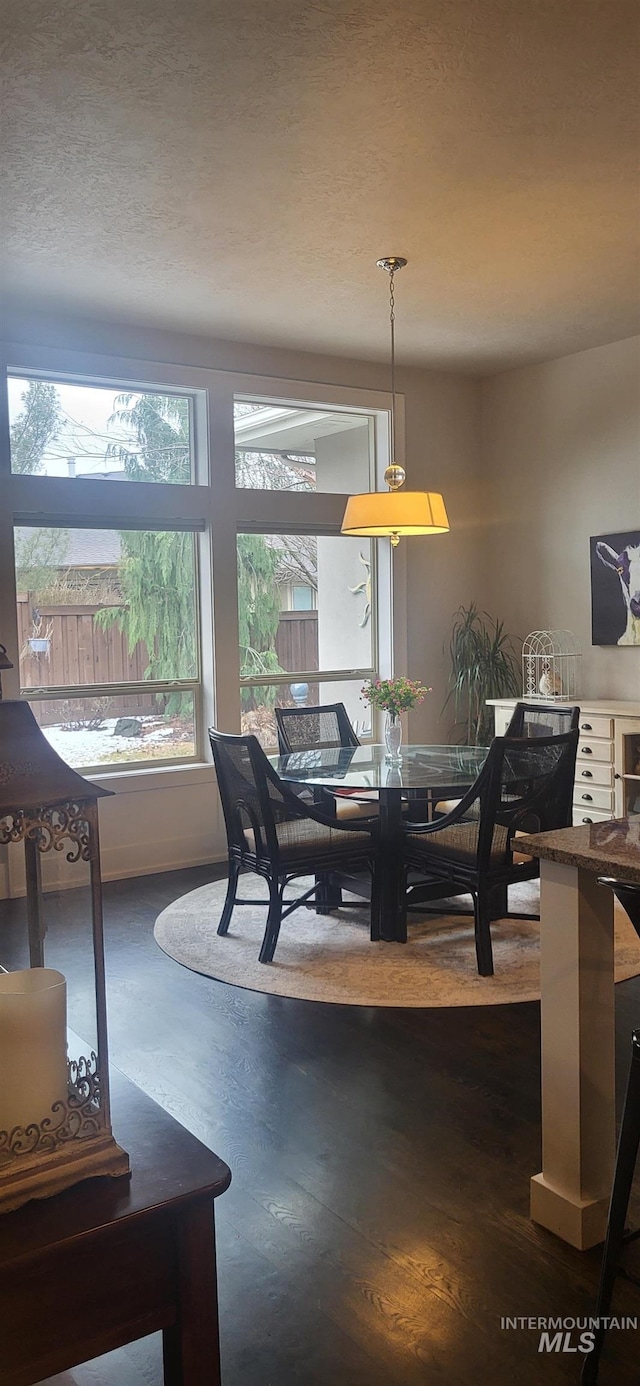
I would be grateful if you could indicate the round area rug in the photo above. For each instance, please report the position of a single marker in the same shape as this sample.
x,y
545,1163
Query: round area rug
x,y
331,957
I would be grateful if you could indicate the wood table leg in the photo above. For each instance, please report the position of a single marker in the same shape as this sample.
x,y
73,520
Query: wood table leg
x,y
571,1194
388,913
191,1347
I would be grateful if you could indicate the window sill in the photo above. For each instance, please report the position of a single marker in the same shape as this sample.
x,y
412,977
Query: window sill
x,y
142,780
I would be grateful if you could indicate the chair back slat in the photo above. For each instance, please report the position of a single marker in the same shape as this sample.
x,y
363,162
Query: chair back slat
x,y
251,799
541,719
322,727
526,785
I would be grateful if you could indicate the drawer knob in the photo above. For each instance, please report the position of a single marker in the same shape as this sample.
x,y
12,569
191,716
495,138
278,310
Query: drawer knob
x,y
588,797
586,726
587,820
587,774
586,751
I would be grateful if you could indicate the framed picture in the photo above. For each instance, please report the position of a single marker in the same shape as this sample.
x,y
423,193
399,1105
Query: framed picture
x,y
615,588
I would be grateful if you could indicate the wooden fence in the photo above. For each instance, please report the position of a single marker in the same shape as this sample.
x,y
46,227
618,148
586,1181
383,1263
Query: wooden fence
x,y
80,651
297,640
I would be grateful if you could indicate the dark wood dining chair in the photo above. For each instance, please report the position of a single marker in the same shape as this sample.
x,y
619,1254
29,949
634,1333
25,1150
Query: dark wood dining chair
x,y
525,785
275,834
325,726
530,719
542,719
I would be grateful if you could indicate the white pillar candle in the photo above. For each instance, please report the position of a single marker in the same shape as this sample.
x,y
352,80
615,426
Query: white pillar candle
x,y
33,1045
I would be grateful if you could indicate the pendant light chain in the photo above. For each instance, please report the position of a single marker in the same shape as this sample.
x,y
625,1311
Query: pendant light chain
x,y
392,323
396,511
394,473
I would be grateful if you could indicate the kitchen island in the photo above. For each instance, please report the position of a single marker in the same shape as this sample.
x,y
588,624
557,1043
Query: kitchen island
x,y
571,1194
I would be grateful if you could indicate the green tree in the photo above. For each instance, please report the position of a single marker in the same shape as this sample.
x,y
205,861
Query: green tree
x,y
157,582
258,614
160,426
40,562
35,426
157,571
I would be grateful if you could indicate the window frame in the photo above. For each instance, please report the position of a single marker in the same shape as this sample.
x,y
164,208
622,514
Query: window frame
x,y
196,418
320,676
211,503
125,688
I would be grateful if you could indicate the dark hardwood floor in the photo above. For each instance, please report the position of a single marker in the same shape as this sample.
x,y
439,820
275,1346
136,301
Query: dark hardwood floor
x,y
376,1229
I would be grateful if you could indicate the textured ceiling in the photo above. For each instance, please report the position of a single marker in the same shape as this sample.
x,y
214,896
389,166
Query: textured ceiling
x,y
237,169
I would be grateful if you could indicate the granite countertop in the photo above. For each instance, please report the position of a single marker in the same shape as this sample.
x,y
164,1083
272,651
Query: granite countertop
x,y
610,849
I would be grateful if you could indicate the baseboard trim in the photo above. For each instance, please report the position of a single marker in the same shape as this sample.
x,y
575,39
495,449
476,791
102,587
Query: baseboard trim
x,y
126,873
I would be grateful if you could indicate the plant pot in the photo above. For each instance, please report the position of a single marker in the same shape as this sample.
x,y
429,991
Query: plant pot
x,y
392,737
39,645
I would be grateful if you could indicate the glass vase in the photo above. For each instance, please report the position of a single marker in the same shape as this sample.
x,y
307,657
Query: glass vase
x,y
392,736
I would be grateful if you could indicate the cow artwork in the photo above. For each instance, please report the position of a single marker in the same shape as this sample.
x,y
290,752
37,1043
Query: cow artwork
x,y
615,588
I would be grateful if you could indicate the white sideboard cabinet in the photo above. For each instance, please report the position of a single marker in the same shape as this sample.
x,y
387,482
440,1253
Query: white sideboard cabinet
x,y
607,783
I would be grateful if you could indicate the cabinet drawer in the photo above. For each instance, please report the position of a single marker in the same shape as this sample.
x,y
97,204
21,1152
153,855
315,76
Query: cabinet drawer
x,y
587,797
590,749
589,815
595,726
595,773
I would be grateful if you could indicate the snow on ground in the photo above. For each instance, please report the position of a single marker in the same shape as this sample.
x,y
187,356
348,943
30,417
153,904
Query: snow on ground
x,y
159,740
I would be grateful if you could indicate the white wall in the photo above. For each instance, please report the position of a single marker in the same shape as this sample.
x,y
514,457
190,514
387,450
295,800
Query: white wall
x,y
561,462
443,451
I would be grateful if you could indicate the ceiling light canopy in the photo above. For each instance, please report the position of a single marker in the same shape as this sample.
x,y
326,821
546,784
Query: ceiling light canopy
x,y
395,512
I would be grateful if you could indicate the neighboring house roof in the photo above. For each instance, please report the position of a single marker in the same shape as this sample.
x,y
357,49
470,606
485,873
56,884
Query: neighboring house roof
x,y
91,548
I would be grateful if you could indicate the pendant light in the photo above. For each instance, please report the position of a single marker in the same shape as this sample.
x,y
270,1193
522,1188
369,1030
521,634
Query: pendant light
x,y
394,512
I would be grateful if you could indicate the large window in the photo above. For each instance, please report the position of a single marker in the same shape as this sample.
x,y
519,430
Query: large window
x,y
125,639
293,654
107,631
61,428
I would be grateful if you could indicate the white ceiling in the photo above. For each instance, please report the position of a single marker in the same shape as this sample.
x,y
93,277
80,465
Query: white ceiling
x,y
236,169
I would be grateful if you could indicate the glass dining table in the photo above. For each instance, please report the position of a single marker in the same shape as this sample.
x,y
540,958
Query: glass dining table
x,y
423,773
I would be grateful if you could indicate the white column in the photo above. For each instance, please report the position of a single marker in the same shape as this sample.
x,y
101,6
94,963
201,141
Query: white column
x,y
571,1195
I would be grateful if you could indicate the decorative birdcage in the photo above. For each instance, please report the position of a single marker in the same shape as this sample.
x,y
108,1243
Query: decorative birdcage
x,y
551,666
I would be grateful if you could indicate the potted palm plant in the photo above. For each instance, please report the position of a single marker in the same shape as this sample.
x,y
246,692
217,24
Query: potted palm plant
x,y
483,665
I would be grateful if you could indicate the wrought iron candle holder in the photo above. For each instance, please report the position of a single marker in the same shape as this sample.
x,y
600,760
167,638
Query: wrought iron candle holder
x,y
49,808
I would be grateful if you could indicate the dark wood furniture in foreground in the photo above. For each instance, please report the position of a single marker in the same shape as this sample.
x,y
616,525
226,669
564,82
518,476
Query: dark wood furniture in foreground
x,y
370,1148
112,1260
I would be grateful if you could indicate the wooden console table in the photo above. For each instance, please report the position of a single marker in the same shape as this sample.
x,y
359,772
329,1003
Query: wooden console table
x,y
607,778
111,1260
